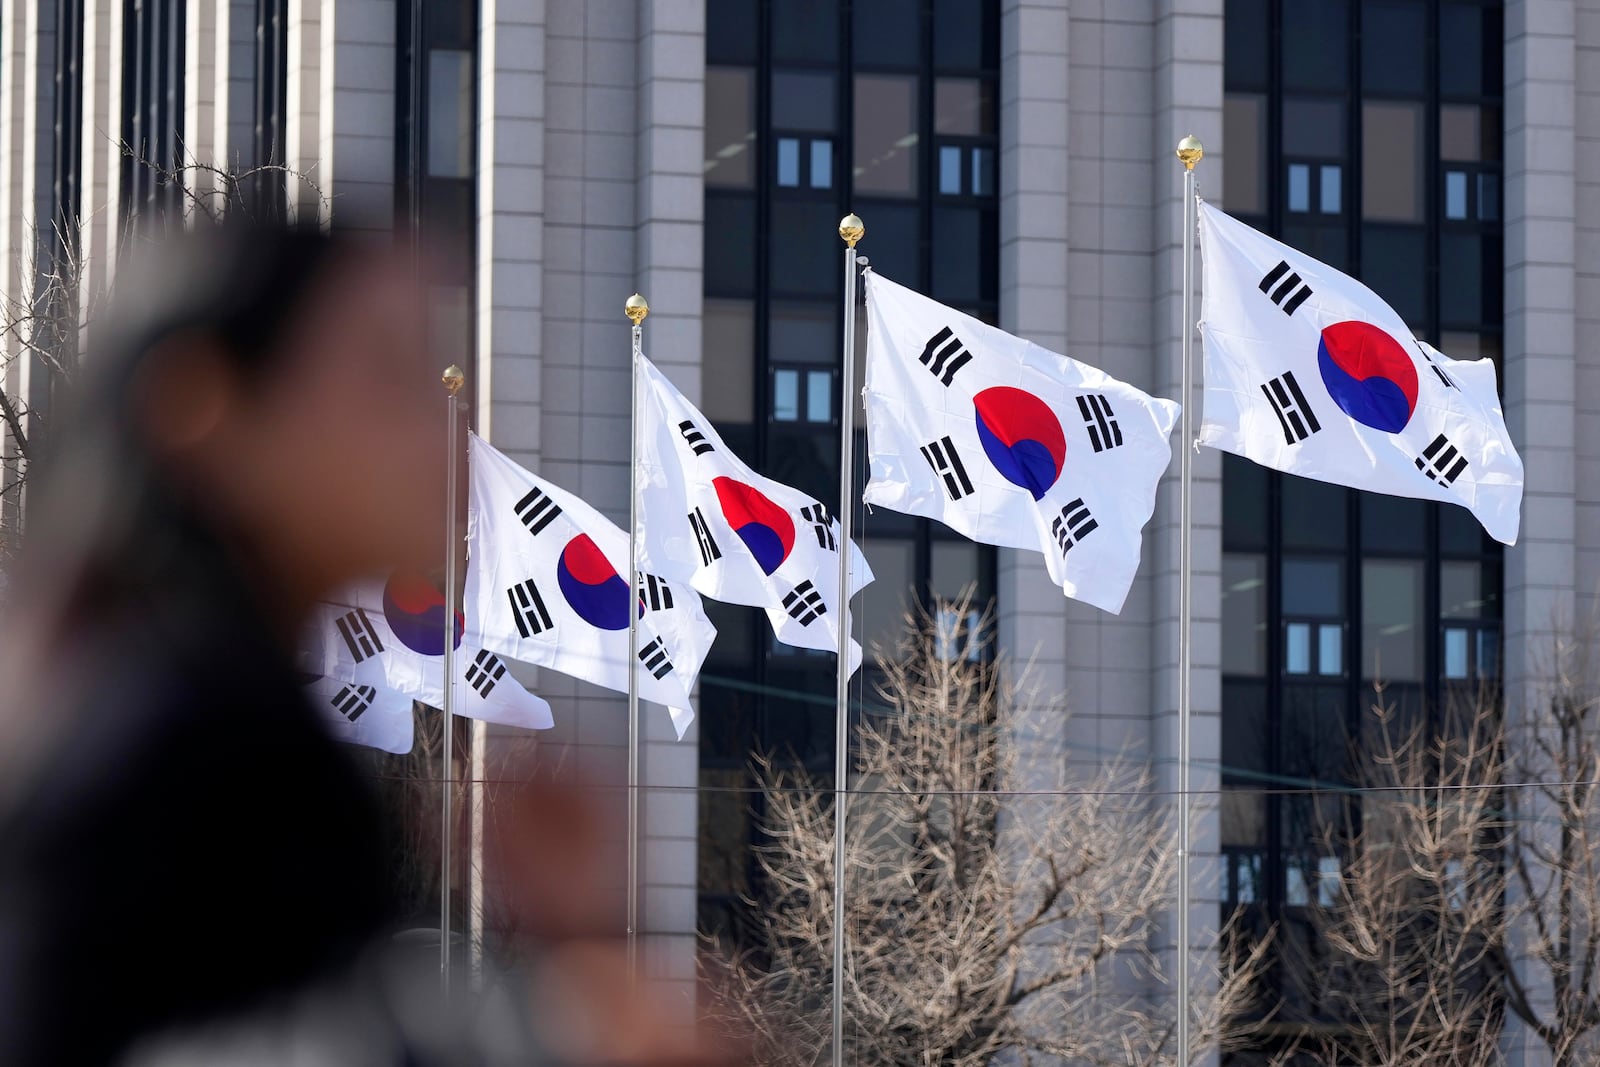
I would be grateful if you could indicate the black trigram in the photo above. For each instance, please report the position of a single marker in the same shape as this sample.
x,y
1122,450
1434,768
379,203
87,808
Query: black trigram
x,y
941,456
359,634
1100,421
656,594
805,604
1073,525
702,536
1442,461
352,701
654,658
697,440
1289,403
537,510
484,672
943,355
821,525
527,608
1288,294
1438,370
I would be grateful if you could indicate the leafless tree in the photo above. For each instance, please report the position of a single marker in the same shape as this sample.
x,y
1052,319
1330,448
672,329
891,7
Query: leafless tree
x,y
987,914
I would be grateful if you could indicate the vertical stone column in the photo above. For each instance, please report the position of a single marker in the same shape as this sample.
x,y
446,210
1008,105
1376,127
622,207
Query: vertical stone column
x,y
303,100
355,116
199,98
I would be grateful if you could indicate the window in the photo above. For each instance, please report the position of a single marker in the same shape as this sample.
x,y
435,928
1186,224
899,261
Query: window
x,y
730,127
886,134
1391,620
450,96
1392,161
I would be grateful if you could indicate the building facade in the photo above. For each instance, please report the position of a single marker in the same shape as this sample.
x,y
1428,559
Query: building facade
x,y
1010,157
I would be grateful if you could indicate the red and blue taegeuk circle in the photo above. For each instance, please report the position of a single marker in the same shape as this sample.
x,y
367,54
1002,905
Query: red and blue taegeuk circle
x,y
765,528
1022,437
1368,374
591,585
414,609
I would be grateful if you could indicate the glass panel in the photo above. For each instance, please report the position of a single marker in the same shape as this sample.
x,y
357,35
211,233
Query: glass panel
x,y
952,569
800,254
896,240
1330,649
788,162
1394,34
732,31
1393,524
822,163
982,172
819,396
802,101
1459,532
805,31
886,134
1315,43
887,33
963,107
1394,264
1313,127
730,127
729,238
885,601
1313,513
727,361
802,333
963,35
1243,817
1461,591
963,257
1455,194
1474,67
1461,275
1299,187
1489,197
1244,51
1244,164
1331,187
1488,652
1244,614
1391,620
1392,163
950,170
1313,587
1455,651
1297,648
786,395
1468,133
1244,503
1246,739
450,98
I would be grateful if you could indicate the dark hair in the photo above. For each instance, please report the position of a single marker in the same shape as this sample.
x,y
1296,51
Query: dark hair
x,y
103,524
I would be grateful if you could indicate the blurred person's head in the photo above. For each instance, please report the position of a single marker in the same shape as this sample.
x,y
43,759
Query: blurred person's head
x,y
257,400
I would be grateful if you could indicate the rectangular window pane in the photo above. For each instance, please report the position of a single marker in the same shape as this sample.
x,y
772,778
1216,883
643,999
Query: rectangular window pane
x,y
1455,195
887,33
1299,187
1315,43
1393,524
1245,52
802,101
1244,503
450,99
1313,587
963,259
801,254
1394,264
1313,127
1330,649
822,163
1461,279
1392,161
788,162
786,395
730,127
953,570
1244,614
1489,197
963,107
1394,34
1297,648
963,35
1468,133
886,134
982,172
1455,652
805,31
799,332
1488,652
1461,590
1331,181
885,600
1244,164
732,31
1391,620
1313,514
729,245
727,361
819,396
950,170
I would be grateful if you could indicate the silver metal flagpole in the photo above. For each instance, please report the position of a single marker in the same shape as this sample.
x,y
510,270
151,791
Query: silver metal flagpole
x,y
454,377
1189,152
636,309
851,229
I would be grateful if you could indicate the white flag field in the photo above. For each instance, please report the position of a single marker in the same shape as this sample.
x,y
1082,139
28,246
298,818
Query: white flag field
x,y
1011,444
363,714
1308,371
546,584
390,635
708,519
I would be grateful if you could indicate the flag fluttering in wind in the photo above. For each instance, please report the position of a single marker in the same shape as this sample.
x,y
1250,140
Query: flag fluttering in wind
x,y
360,714
708,519
1011,444
1308,371
547,584
390,635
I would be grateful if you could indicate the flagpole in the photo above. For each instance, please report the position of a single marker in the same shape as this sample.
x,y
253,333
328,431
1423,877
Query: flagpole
x,y
636,309
1189,152
454,377
851,230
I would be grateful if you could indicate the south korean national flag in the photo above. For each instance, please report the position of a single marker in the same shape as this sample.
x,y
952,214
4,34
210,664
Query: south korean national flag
x,y
707,519
1308,371
389,635
547,584
358,714
1010,444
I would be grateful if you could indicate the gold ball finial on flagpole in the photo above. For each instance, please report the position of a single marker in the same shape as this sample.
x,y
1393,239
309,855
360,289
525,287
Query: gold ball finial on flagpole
x,y
852,229
1190,151
636,309
454,378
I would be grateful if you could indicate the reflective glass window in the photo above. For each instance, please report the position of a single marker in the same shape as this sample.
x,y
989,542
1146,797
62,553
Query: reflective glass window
x,y
1392,161
804,31
886,134
1394,37
885,602
729,238
887,33
1315,44
1394,263
1313,127
1244,614
802,101
1391,620
450,104
727,361
1313,587
963,107
1244,165
730,127
1246,55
